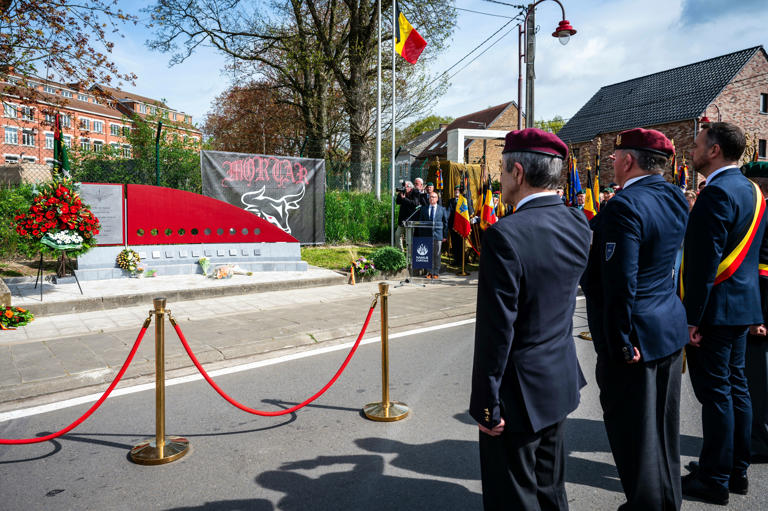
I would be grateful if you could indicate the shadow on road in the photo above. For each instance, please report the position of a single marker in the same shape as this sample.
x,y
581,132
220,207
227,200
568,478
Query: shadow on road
x,y
363,486
230,505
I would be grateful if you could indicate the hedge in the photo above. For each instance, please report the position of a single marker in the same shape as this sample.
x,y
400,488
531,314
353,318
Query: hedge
x,y
13,199
356,217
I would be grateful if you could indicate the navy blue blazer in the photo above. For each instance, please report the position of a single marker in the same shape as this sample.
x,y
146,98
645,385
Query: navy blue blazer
x,y
719,219
629,283
525,366
439,222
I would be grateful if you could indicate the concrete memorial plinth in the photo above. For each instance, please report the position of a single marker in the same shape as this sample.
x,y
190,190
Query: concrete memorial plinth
x,y
100,262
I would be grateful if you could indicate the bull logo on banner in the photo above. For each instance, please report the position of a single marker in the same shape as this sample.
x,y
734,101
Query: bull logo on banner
x,y
274,211
287,192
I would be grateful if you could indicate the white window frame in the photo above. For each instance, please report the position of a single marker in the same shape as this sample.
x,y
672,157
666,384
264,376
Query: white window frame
x,y
98,126
85,144
26,133
49,89
14,157
10,111
126,151
82,97
142,108
28,159
66,93
49,137
97,144
50,161
84,124
27,113
114,128
8,130
67,140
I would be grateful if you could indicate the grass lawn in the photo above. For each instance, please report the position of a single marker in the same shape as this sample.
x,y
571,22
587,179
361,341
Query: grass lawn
x,y
336,257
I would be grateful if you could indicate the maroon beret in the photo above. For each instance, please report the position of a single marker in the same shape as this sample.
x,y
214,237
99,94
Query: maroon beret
x,y
534,140
645,140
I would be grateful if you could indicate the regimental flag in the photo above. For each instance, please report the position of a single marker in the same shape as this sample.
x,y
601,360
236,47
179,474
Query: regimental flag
x,y
409,43
59,148
574,183
675,169
461,219
590,204
596,184
487,215
438,179
683,174
468,195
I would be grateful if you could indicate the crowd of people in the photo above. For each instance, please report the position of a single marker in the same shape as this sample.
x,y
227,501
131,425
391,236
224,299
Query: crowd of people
x,y
667,276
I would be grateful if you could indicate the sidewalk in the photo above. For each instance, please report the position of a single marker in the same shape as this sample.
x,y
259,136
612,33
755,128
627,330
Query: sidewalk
x,y
83,351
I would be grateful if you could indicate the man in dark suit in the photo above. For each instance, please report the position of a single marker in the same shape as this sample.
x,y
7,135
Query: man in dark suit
x,y
637,321
756,359
438,216
526,377
408,201
721,294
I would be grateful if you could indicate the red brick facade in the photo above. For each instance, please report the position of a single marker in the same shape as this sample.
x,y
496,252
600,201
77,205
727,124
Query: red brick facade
x,y
88,122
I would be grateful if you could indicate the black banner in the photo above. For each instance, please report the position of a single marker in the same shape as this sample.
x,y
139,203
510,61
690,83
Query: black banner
x,y
287,192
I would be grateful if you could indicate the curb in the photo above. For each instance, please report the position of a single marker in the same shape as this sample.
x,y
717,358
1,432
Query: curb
x,y
116,302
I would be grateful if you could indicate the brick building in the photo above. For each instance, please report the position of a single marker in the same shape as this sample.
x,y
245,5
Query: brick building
x,y
89,121
732,88
499,117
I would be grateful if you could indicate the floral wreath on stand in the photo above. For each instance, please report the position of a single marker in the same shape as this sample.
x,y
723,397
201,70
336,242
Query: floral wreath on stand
x,y
58,219
129,260
363,266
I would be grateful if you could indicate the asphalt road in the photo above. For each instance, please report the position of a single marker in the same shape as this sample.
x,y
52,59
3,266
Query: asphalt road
x,y
324,457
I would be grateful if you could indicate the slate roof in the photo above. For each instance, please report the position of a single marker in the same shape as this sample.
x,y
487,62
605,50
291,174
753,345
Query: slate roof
x,y
439,147
668,96
418,144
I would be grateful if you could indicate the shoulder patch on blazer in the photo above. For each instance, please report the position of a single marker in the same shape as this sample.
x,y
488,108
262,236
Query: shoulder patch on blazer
x,y
610,248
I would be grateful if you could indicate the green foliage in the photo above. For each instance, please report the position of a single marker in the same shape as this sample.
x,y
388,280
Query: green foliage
x,y
389,259
553,125
334,258
356,217
15,199
179,161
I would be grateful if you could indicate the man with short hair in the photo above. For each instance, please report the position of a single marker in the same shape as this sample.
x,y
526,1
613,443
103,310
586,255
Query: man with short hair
x,y
430,189
721,293
438,216
407,200
526,376
580,200
637,322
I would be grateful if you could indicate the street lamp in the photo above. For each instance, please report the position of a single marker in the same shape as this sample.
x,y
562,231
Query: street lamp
x,y
563,32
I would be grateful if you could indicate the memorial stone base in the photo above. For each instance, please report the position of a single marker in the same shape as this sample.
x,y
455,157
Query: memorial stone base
x,y
100,262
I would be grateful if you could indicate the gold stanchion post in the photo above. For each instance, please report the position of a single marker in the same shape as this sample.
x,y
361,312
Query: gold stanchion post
x,y
386,410
161,449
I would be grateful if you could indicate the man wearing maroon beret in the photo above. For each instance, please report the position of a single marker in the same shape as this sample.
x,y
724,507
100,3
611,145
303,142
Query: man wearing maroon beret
x,y
720,289
637,322
526,377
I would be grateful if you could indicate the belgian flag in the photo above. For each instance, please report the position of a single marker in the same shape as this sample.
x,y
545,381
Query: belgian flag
x,y
409,44
591,205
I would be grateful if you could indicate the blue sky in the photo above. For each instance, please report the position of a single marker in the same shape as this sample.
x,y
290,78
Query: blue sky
x,y
617,40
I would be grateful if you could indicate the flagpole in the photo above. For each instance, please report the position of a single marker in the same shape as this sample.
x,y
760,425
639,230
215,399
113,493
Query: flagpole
x,y
378,108
392,160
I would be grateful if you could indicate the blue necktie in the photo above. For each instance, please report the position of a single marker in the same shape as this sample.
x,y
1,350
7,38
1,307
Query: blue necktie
x,y
431,213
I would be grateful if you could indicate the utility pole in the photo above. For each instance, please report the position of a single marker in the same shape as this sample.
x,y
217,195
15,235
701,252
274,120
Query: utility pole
x,y
530,55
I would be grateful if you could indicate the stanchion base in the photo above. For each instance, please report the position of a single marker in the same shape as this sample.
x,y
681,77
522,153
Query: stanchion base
x,y
394,412
462,274
146,452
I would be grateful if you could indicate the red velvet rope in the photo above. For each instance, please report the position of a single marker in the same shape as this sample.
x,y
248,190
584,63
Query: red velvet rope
x,y
7,441
280,412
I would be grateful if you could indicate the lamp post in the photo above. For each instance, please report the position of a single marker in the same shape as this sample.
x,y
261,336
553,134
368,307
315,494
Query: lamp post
x,y
527,28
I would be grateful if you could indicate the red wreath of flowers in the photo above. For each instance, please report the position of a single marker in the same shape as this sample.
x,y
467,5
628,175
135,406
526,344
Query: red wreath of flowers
x,y
58,207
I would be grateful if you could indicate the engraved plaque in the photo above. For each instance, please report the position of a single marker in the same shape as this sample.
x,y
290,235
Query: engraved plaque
x,y
106,202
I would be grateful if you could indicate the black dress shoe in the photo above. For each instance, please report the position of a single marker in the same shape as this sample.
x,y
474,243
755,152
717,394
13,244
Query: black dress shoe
x,y
736,484
695,487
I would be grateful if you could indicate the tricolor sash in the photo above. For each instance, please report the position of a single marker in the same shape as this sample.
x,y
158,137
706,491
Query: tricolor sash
x,y
732,261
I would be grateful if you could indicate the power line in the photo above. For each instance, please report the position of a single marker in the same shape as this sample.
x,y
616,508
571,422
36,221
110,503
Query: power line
x,y
483,52
505,3
484,13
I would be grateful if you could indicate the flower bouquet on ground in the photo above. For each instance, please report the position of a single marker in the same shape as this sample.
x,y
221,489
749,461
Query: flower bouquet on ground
x,y
128,260
364,268
13,317
205,265
63,240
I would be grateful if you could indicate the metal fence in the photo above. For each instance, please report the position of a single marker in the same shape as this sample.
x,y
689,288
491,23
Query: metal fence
x,y
347,177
